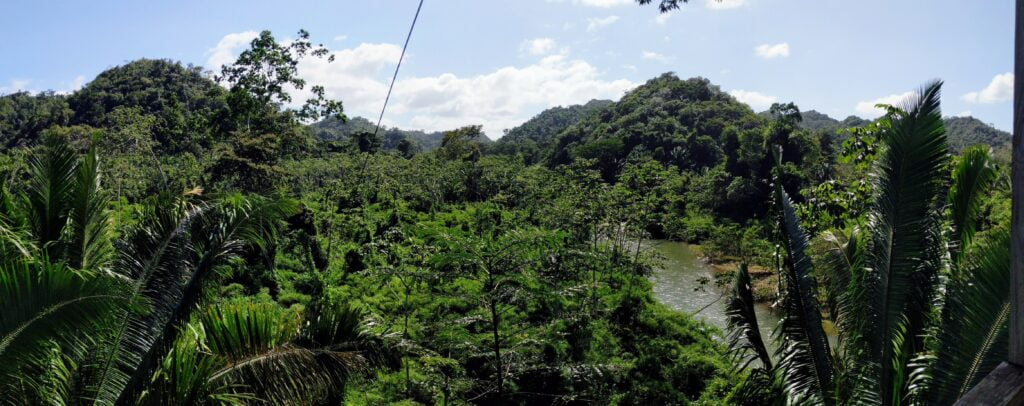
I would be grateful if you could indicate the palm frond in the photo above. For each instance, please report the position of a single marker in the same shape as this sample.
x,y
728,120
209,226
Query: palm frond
x,y
277,361
744,334
49,193
974,333
974,174
904,254
154,259
804,355
214,237
89,246
45,305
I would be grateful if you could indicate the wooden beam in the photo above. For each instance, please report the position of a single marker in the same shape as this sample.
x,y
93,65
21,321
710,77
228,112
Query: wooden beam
x,y
1004,386
1017,237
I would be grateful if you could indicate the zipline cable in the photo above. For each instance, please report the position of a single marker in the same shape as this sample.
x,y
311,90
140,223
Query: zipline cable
x,y
395,76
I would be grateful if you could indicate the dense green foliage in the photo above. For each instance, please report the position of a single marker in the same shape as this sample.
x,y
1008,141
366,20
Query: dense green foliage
x,y
170,239
911,249
185,104
391,139
961,132
451,276
535,137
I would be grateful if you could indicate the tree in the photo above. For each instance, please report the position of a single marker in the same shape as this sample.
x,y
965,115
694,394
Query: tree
x,y
501,263
88,319
184,104
261,76
24,116
462,144
882,280
259,82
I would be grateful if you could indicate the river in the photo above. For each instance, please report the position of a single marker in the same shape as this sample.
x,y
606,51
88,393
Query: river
x,y
681,272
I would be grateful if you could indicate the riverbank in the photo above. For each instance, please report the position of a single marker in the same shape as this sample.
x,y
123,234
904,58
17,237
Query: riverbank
x,y
764,282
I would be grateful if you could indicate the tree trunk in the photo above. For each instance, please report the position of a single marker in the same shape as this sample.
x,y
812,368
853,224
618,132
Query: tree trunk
x,y
1017,229
495,322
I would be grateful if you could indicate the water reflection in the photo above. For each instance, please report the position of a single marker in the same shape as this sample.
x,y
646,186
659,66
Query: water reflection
x,y
681,272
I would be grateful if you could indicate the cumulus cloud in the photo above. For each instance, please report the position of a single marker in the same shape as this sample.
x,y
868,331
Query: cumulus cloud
x,y
654,56
1000,89
15,85
756,101
724,4
538,46
771,51
662,18
597,3
228,49
504,98
341,38
594,24
868,109
498,100
77,83
26,85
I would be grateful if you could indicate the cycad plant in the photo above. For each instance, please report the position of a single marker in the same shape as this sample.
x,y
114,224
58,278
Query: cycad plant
x,y
919,306
89,318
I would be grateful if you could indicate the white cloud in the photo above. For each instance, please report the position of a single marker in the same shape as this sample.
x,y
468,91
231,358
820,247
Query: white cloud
x,y
724,4
868,109
756,101
498,99
594,24
662,18
75,84
341,38
1000,89
25,85
538,46
965,113
228,49
771,51
598,3
15,85
654,56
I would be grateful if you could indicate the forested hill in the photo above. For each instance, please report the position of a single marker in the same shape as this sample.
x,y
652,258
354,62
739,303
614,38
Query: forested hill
x,y
961,132
966,131
335,130
813,120
689,123
534,137
694,129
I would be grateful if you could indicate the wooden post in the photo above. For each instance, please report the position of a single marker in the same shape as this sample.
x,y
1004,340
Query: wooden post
x,y
1017,232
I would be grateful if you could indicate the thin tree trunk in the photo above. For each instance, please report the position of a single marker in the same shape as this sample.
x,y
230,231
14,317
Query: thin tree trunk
x,y
495,321
1017,237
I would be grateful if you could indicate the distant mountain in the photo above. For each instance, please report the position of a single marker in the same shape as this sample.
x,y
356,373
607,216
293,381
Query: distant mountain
x,y
813,120
961,132
334,130
536,135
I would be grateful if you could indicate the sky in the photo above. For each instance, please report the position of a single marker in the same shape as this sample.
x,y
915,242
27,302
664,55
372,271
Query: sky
x,y
499,62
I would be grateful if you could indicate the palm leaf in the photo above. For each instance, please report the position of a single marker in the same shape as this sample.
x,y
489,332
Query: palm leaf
x,y
277,361
804,355
212,238
904,254
49,193
973,176
154,259
973,336
89,246
46,305
744,334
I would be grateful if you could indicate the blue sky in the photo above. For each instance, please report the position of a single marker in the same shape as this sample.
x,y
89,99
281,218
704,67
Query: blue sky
x,y
497,63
